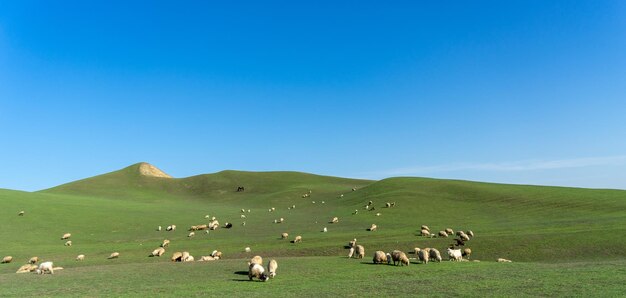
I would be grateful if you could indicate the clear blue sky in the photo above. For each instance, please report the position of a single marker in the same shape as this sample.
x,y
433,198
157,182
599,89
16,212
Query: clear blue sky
x,y
530,92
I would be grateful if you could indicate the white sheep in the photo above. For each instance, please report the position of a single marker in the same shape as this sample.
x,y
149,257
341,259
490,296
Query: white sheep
x,y
352,243
455,254
435,255
184,256
271,267
80,258
33,260
470,233
373,227
351,252
165,243
334,220
257,270
68,243
45,267
325,230
206,258
502,260
284,235
66,236
158,252
380,257
425,232
6,260
247,249
114,255
191,234
26,268
297,239
256,260
360,251
443,234
424,255
449,231
21,213
159,228
189,259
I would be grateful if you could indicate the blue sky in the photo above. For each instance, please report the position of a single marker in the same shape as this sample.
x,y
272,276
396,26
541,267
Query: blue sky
x,y
528,92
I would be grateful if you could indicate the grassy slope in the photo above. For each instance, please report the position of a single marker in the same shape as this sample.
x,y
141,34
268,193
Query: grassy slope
x,y
119,212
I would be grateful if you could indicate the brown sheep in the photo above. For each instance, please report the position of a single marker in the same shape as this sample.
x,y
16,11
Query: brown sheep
x,y
380,257
449,231
297,239
177,257
284,235
360,251
6,260
256,260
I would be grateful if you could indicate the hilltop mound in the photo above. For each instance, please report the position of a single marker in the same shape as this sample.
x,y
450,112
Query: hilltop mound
x,y
147,169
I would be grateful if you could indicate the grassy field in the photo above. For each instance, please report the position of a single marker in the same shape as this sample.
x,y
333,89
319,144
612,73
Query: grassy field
x,y
563,241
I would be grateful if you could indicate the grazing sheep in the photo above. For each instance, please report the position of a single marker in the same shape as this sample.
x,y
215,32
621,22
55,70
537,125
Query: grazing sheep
x,y
158,252
216,254
177,257
354,189
243,224
165,243
68,243
271,267
388,205
360,251
404,260
66,236
378,214
247,249
297,239
228,225
171,228
425,227
80,258
159,228
373,227
26,268
379,257
256,260
6,260
442,234
416,251
355,212
284,235
243,216
464,237
257,270
21,213
191,234
454,254
324,230
334,220
352,243
114,255
45,267
206,258
502,260
466,253
424,255
425,232
193,228
351,252
243,210
449,231
399,258
189,259
435,255
33,260
470,233
184,256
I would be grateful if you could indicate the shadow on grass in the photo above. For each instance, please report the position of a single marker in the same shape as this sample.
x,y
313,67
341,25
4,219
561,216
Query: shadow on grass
x,y
241,273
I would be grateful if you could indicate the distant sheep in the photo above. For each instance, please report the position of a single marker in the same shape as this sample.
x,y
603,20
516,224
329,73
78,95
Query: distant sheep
x,y
284,235
271,267
334,220
470,233
297,239
45,267
425,227
502,260
66,236
425,232
443,234
165,243
216,254
416,251
464,236
373,227
424,255
6,260
257,271
33,260
455,254
191,234
206,258
379,257
256,260
324,230
435,255
449,231
80,258
247,249
68,243
21,213
360,251
171,228
228,225
189,259
114,255
159,228
184,256
399,258
158,252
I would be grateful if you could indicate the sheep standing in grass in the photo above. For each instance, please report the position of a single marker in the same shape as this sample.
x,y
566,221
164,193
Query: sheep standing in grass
x,y
66,236
114,255
334,220
206,258
177,257
425,232
360,251
68,243
165,243
216,254
189,259
159,228
80,258
449,231
435,255
416,251
470,233
284,235
158,252
247,249
256,260
373,227
33,260
324,230
191,234
424,255
271,267
466,253
256,270
184,256
464,236
45,267
425,227
379,257
443,234
6,260
297,239
399,258
21,213
455,254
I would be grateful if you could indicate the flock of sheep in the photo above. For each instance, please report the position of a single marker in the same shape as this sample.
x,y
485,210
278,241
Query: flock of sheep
x,y
255,265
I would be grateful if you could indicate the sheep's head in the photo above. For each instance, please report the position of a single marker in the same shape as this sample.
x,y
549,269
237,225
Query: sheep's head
x,y
264,277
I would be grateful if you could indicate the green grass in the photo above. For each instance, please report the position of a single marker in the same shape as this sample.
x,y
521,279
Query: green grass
x,y
563,241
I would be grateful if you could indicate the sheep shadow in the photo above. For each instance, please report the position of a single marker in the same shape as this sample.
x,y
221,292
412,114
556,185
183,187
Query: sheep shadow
x,y
241,273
